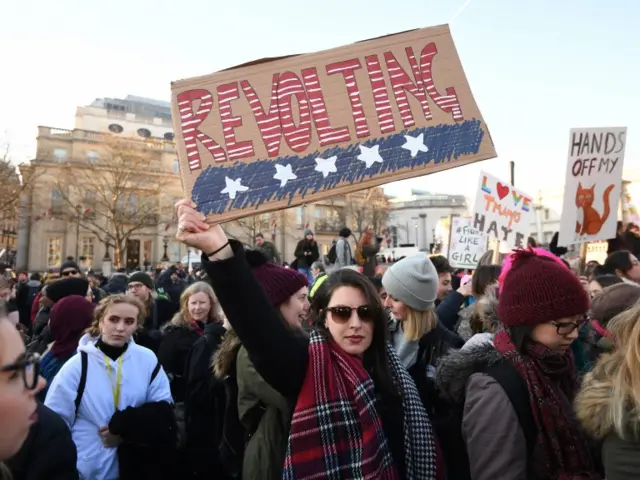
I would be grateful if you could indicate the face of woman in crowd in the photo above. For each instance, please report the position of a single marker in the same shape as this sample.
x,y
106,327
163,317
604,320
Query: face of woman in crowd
x,y
118,324
595,289
296,309
634,273
349,320
398,308
199,305
558,335
17,403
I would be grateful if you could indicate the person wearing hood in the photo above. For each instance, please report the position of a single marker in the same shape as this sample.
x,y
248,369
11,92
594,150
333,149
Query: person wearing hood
x,y
52,294
607,405
516,394
117,283
470,321
262,410
120,376
306,253
69,318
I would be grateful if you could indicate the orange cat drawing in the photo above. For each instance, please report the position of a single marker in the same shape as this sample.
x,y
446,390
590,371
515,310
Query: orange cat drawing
x,y
592,221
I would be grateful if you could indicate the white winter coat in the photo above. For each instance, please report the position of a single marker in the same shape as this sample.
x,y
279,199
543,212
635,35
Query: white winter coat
x,y
96,462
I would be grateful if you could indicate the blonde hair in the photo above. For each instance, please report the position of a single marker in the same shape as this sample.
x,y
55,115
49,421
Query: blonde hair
x,y
106,303
416,324
613,387
183,319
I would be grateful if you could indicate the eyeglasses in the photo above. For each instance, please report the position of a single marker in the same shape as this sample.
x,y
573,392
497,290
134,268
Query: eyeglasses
x,y
29,365
565,328
342,314
66,273
135,286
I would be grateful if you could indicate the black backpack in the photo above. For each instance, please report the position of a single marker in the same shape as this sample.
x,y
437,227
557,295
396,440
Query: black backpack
x,y
234,434
332,256
83,377
448,425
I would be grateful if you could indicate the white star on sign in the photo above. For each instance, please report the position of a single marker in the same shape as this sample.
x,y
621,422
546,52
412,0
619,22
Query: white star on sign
x,y
370,155
284,174
415,144
233,187
326,165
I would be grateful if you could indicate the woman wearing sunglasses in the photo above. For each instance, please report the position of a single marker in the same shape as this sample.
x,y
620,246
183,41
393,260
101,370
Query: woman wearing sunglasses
x,y
345,378
19,385
517,419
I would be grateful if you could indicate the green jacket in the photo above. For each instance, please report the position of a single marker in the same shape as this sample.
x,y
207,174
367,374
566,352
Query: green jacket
x,y
265,453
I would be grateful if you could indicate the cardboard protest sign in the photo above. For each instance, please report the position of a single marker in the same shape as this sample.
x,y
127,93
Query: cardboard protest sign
x,y
281,132
467,244
593,184
503,211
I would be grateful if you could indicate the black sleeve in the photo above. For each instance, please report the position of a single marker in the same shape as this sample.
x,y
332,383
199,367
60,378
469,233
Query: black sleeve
x,y
150,424
316,254
44,462
299,253
448,310
278,356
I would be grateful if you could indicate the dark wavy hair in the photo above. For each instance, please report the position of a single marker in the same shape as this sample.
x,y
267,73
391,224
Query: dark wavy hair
x,y
375,358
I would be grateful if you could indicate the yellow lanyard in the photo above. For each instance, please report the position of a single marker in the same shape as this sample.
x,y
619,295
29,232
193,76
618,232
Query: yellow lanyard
x,y
115,390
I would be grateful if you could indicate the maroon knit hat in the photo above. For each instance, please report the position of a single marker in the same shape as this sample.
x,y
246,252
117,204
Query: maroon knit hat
x,y
537,289
278,283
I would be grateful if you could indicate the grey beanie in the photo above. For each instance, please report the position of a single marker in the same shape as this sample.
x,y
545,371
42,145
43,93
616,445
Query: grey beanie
x,y
414,281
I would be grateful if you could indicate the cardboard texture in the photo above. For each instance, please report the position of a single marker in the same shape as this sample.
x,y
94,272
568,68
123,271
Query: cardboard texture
x,y
593,185
279,133
503,212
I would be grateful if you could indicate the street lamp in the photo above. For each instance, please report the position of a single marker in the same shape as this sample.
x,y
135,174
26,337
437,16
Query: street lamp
x,y
106,261
165,258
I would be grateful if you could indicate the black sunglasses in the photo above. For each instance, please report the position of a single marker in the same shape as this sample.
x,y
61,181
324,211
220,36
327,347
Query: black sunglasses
x,y
69,272
342,313
565,328
29,365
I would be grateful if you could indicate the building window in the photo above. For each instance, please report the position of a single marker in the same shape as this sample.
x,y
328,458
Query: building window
x,y
174,252
115,128
169,136
56,199
394,236
92,156
144,133
300,217
86,250
59,154
546,214
54,252
176,165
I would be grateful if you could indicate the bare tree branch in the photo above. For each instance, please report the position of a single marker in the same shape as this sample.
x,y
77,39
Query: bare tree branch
x,y
115,197
367,209
14,180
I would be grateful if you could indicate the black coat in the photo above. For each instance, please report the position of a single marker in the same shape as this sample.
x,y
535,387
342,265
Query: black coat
x,y
204,404
150,437
306,253
173,352
48,453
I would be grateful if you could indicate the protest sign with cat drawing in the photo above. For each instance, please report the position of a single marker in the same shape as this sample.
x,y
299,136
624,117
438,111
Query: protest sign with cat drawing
x,y
592,186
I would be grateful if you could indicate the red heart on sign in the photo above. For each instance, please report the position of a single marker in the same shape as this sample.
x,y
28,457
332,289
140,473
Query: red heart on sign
x,y
503,190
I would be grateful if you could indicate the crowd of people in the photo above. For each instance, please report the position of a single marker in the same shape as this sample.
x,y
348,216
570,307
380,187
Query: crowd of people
x,y
523,370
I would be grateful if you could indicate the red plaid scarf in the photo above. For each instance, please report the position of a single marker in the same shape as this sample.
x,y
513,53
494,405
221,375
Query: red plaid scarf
x,y
336,432
551,381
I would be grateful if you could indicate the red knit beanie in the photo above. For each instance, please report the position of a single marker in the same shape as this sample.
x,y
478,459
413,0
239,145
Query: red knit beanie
x,y
278,283
537,290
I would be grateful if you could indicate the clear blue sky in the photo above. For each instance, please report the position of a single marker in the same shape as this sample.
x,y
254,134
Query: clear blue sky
x,y
536,68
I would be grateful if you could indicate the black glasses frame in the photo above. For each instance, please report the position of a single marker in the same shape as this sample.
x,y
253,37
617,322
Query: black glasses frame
x,y
69,272
30,361
568,327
